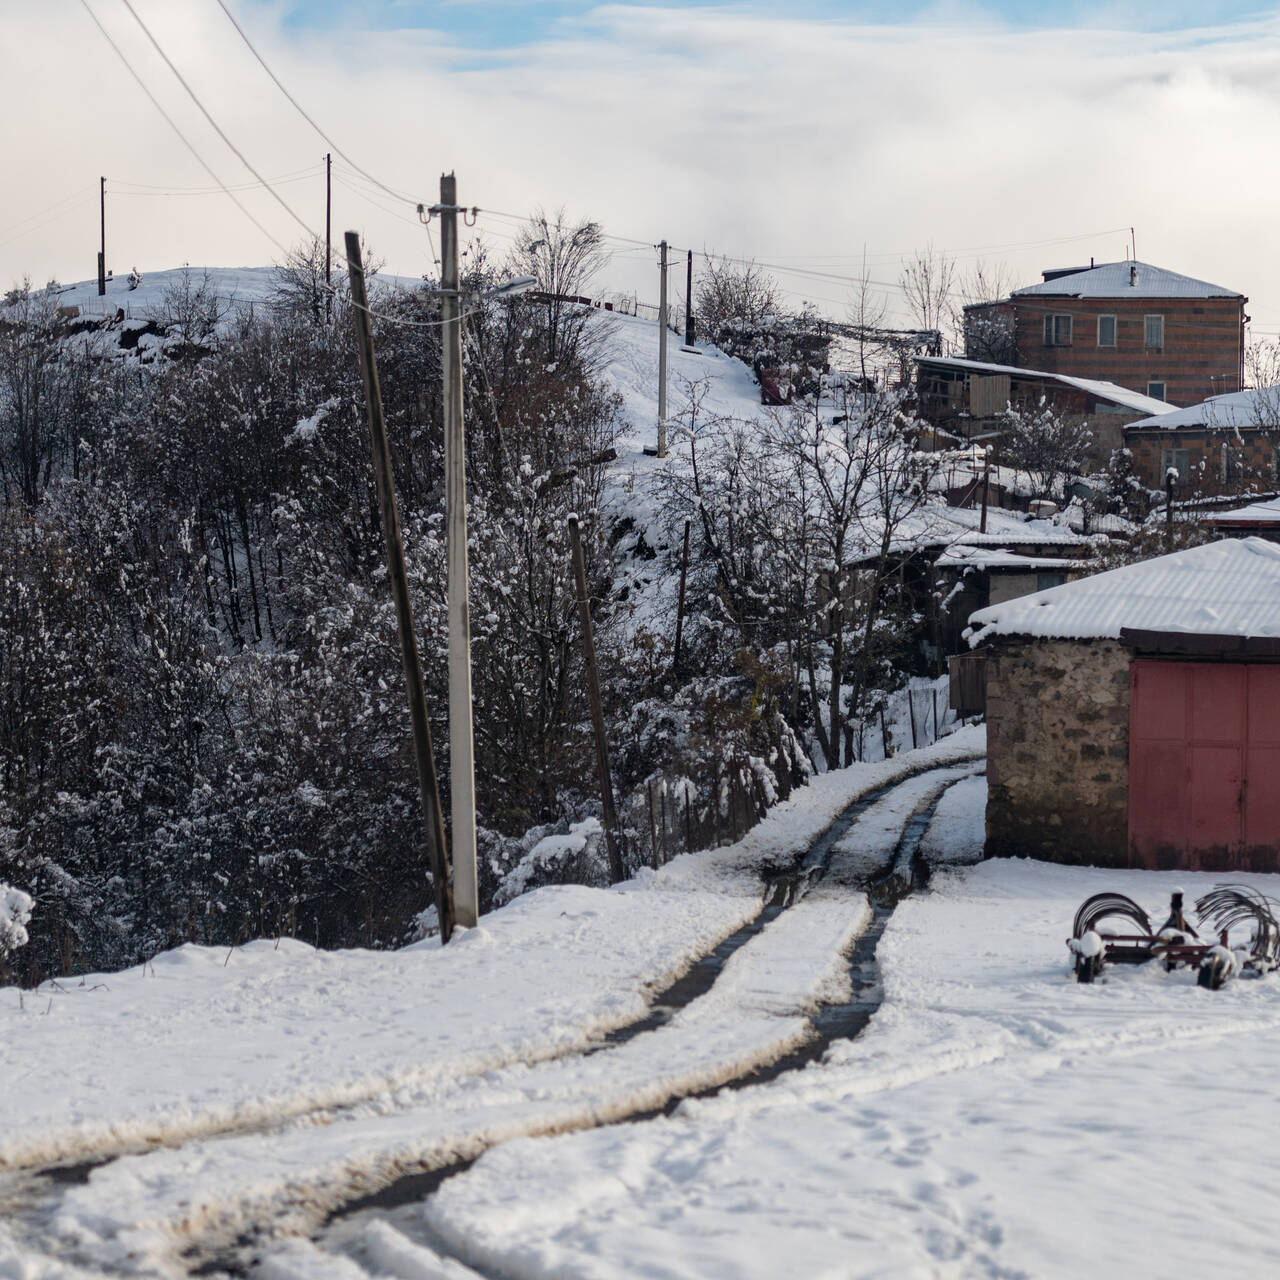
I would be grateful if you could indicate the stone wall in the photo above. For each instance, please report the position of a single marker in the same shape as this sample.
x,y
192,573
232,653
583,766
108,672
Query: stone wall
x,y
1058,750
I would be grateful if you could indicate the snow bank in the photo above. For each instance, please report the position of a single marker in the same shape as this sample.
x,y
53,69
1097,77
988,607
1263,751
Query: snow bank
x,y
989,1092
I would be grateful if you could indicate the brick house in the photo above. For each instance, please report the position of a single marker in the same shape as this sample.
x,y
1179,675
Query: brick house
x,y
1154,331
1221,445
1133,717
965,398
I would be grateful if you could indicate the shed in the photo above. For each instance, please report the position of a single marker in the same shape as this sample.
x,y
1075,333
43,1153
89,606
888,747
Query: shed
x,y
1133,717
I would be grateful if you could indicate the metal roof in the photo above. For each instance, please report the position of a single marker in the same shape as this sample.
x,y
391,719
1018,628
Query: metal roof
x,y
1256,407
1099,390
1228,588
1125,280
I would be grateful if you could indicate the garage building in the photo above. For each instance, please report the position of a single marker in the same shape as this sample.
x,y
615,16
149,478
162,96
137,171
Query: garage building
x,y
1133,717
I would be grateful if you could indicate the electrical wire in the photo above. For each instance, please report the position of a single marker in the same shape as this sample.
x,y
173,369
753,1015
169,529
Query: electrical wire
x,y
40,213
217,128
122,188
37,220
155,102
302,112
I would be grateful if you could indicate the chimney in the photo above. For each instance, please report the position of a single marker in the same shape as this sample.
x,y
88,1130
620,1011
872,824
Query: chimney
x,y
1133,275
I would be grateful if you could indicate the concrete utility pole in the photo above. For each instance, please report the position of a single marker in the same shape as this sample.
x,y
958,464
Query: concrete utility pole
x,y
102,251
662,355
328,242
462,774
437,854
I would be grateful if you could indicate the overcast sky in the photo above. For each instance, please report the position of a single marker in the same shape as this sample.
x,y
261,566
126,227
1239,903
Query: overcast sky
x,y
802,141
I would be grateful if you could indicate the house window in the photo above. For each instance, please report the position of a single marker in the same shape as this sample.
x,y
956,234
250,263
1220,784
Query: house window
x,y
1178,460
1155,390
1106,331
1046,580
1154,332
1231,464
1057,331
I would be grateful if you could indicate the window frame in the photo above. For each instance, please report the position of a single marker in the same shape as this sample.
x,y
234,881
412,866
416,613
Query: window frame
x,y
1169,458
1162,384
1114,328
1053,329
1146,332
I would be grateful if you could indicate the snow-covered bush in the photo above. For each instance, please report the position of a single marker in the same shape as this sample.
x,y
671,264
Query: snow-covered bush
x,y
15,915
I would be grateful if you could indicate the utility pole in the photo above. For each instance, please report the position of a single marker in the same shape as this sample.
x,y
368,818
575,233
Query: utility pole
x,y
689,331
462,776
662,355
597,708
328,240
437,853
102,250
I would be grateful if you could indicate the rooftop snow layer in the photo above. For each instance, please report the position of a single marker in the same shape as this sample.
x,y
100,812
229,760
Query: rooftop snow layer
x,y
1113,280
965,556
1265,512
1223,588
1102,390
1259,406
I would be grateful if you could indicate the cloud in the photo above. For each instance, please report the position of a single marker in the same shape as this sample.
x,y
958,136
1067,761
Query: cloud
x,y
777,138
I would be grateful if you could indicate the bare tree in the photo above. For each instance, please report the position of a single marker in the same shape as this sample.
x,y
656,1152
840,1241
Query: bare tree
x,y
987,330
39,385
1050,447
566,258
735,295
190,310
928,280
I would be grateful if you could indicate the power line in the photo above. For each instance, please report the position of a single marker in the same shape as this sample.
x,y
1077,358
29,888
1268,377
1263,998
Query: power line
x,y
123,187
299,108
217,128
155,102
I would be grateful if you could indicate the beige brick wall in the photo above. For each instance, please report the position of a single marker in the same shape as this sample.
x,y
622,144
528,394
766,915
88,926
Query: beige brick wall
x,y
1058,750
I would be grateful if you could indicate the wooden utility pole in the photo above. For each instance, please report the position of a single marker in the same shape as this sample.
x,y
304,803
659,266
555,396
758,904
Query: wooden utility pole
x,y
986,479
684,574
328,237
437,853
597,708
462,773
662,355
102,248
689,331
1169,476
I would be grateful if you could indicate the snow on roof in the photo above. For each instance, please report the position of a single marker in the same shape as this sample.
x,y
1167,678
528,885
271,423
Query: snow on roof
x,y
1223,588
1258,406
966,556
1125,280
950,527
1265,512
1101,390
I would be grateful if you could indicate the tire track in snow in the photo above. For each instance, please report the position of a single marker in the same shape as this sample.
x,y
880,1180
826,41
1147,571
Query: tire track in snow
x,y
513,1116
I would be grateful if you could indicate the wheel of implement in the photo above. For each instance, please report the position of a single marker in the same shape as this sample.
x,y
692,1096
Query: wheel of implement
x,y
1215,969
1088,968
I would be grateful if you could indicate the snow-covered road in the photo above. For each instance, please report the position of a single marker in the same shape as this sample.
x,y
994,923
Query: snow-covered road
x,y
357,1130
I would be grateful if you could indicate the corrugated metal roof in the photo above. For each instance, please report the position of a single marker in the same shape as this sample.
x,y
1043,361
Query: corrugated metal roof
x,y
1259,406
1267,512
1223,588
967,556
1112,280
1101,390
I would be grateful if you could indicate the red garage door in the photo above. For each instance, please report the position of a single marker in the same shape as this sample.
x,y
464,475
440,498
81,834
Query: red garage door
x,y
1204,765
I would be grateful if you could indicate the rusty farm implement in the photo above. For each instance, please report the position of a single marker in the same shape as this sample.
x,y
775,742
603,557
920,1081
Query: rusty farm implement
x,y
1112,929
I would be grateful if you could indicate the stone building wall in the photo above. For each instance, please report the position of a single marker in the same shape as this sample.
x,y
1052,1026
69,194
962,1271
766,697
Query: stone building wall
x,y
1058,750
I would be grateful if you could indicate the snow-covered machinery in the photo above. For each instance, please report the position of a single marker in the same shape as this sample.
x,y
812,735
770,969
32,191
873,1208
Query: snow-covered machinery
x,y
1094,944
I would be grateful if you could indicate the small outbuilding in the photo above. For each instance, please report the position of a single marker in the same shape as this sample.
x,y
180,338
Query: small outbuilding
x,y
1133,717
